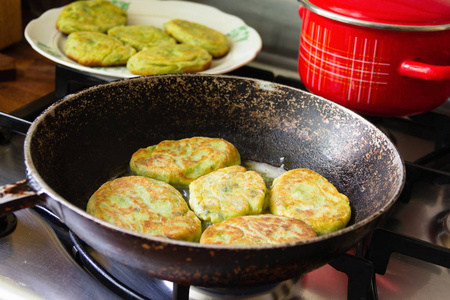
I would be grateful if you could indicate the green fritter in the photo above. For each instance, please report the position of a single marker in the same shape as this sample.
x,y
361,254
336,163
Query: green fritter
x,y
257,230
167,59
215,42
97,49
97,16
308,196
226,193
179,162
140,36
146,206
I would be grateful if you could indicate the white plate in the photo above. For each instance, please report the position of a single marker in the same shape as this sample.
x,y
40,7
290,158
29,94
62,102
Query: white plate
x,y
246,43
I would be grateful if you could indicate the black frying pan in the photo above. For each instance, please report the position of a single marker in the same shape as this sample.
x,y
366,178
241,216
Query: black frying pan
x,y
88,137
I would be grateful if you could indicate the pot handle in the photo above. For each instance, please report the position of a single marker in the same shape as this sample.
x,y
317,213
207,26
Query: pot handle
x,y
424,71
17,196
301,11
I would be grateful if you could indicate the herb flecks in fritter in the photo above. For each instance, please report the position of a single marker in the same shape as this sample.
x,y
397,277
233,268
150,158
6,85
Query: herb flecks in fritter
x,y
191,33
97,49
141,36
226,193
308,196
254,230
179,162
146,206
167,59
90,16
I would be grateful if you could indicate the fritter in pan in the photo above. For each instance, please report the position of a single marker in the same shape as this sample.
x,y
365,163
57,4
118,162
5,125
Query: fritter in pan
x,y
226,193
257,230
90,16
97,49
146,206
215,42
140,36
180,162
308,196
167,59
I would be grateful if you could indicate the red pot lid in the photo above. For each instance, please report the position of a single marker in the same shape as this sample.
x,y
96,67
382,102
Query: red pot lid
x,y
397,12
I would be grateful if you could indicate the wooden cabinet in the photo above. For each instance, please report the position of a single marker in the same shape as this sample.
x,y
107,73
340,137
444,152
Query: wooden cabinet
x,y
10,22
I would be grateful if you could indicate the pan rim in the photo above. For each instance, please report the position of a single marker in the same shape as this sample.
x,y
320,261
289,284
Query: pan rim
x,y
42,187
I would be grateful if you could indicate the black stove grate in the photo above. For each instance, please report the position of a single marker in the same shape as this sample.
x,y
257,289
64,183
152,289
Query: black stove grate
x,y
385,242
359,271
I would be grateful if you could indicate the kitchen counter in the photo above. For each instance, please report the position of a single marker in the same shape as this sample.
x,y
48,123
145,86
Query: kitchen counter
x,y
35,77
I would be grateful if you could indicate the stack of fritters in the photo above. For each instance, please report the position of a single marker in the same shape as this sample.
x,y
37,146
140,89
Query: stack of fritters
x,y
98,35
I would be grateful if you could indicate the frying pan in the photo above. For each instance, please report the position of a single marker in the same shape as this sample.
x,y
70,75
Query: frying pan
x,y
88,137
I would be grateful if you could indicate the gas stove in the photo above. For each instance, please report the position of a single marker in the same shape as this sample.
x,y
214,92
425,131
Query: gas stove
x,y
406,258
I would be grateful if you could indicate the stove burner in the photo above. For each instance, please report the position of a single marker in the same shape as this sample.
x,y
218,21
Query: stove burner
x,y
245,291
444,237
443,229
7,224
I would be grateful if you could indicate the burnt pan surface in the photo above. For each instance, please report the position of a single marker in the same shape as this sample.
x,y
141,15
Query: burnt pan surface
x,y
89,137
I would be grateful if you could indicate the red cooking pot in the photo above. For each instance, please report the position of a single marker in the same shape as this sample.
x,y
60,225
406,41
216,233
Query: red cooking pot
x,y
384,57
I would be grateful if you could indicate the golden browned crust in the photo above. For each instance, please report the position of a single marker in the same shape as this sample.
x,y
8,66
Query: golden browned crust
x,y
226,193
308,196
147,206
90,16
140,36
257,230
97,49
182,161
167,59
215,42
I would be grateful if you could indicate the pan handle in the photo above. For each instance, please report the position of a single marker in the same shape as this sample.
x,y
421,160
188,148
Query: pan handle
x,y
14,123
17,196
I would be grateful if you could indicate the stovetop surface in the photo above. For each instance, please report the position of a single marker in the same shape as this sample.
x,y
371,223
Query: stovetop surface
x,y
35,264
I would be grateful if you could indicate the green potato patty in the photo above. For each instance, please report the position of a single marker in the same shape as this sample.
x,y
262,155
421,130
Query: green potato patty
x,y
167,59
140,36
179,162
308,196
191,33
146,206
226,193
257,230
90,16
97,49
